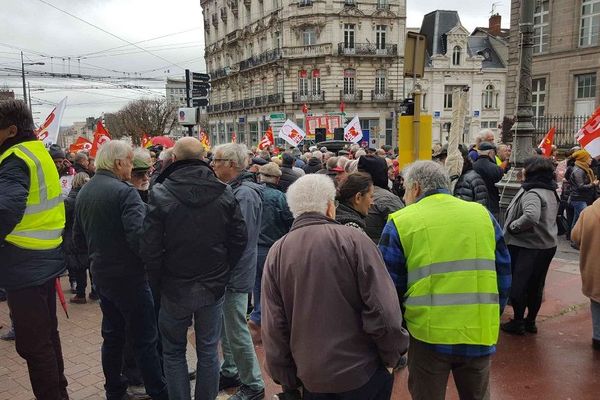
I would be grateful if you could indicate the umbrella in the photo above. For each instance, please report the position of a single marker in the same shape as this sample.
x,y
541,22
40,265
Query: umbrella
x,y
165,141
61,296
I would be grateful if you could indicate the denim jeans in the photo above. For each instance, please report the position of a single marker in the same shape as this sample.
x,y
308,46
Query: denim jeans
x,y
128,312
236,342
174,319
596,319
260,265
578,207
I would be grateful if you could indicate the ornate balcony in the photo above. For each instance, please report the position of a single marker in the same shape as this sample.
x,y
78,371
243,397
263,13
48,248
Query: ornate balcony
x,y
237,105
308,97
385,96
351,97
275,98
367,49
225,106
305,3
317,50
219,73
350,3
248,103
233,36
383,6
264,58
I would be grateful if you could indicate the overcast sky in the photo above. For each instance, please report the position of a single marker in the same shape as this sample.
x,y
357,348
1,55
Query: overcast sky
x,y
170,30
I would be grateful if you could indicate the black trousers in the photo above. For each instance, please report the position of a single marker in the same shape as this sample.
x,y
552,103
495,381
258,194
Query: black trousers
x,y
529,269
379,387
81,279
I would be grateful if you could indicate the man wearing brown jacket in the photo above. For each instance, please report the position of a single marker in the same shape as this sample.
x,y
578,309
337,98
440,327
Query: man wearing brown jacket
x,y
331,316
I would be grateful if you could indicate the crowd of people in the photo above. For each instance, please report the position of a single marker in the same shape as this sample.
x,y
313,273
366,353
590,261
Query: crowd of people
x,y
341,265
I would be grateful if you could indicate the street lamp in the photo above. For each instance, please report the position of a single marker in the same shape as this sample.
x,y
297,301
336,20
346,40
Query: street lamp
x,y
23,64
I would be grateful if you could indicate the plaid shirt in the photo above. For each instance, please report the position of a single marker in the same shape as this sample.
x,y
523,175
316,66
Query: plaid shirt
x,y
395,260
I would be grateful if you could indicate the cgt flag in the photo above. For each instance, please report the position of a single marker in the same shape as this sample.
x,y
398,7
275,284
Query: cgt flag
x,y
101,136
204,140
267,140
353,131
589,135
48,131
81,144
146,141
291,133
546,143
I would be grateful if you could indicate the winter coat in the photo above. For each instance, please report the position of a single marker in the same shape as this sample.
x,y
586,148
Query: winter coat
x,y
193,232
348,216
582,189
21,268
531,219
471,187
384,203
330,312
312,166
276,218
77,259
288,176
250,196
491,174
565,192
586,234
109,214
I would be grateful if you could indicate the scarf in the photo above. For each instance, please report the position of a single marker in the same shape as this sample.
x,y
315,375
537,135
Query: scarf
x,y
582,158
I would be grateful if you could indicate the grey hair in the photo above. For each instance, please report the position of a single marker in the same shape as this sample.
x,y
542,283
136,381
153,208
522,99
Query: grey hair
x,y
166,155
351,166
79,180
110,152
483,133
80,155
310,193
234,152
318,155
428,174
359,154
143,154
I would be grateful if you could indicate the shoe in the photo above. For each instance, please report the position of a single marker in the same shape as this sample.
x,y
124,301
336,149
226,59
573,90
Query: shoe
x,y
530,326
74,287
138,393
93,296
10,335
596,344
291,395
246,393
78,300
514,327
192,375
226,382
255,332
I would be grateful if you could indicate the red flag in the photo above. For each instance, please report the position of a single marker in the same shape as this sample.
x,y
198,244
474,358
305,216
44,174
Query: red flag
x,y
233,137
546,143
590,130
342,106
267,140
101,136
61,296
81,144
146,141
304,109
204,140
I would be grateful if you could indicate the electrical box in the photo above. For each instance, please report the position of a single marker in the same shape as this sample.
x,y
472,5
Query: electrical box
x,y
187,116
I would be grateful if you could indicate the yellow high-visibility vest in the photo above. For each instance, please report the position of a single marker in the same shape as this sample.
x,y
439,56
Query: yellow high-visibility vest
x,y
450,249
44,220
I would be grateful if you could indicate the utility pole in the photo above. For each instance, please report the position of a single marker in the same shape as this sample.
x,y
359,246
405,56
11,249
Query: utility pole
x,y
23,76
523,128
188,97
29,94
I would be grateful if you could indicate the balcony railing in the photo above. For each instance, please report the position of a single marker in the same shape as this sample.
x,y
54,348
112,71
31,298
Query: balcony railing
x,y
383,6
350,3
308,97
253,102
237,104
264,58
233,36
260,101
351,97
248,103
275,98
225,106
367,49
305,3
219,73
386,95
308,51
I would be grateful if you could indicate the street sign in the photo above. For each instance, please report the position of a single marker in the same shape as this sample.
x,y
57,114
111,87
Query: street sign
x,y
200,85
202,92
200,102
278,116
197,76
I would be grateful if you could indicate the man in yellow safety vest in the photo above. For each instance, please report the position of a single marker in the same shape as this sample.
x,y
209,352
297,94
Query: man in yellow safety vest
x,y
32,218
451,268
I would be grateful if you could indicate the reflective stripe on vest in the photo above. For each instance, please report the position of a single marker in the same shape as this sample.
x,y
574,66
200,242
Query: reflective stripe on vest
x,y
452,295
44,218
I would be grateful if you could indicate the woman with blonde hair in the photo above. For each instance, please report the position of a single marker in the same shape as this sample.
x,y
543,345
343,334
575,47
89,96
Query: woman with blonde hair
x,y
583,183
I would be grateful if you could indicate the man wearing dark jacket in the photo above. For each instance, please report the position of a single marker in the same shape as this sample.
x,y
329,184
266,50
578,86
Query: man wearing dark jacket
x,y
315,163
491,174
288,175
109,215
32,218
193,234
229,163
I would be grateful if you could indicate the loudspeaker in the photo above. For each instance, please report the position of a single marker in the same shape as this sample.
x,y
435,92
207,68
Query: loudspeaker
x,y
338,134
320,135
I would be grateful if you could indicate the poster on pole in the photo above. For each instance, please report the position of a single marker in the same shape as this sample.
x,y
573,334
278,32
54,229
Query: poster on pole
x,y
48,131
291,133
353,132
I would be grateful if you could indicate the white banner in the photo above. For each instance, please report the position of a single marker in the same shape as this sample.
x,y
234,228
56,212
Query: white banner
x,y
48,131
353,131
291,133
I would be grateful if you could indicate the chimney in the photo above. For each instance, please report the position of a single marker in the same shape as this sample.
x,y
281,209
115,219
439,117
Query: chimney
x,y
495,23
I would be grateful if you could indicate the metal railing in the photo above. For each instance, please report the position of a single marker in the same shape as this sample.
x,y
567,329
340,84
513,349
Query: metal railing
x,y
233,36
351,97
367,49
248,103
275,98
305,3
266,57
315,50
566,127
219,73
386,95
383,6
258,101
308,97
225,106
350,3
237,104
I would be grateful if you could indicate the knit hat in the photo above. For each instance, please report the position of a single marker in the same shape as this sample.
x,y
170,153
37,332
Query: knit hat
x,y
483,146
259,161
56,152
270,169
376,167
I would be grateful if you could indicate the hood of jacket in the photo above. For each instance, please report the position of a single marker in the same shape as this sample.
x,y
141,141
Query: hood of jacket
x,y
345,214
192,182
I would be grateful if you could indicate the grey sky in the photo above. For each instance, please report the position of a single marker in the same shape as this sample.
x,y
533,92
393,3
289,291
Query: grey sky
x,y
50,36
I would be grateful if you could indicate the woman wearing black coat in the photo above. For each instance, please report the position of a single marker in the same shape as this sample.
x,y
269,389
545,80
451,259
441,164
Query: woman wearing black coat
x,y
470,185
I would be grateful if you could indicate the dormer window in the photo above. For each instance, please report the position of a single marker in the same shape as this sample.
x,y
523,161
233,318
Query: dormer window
x,y
456,55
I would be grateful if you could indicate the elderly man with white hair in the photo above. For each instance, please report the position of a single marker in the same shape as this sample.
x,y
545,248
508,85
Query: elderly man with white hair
x,y
240,366
109,214
453,288
331,319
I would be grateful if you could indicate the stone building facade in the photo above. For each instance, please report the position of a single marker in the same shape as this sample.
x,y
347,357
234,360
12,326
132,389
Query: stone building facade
x,y
566,58
275,59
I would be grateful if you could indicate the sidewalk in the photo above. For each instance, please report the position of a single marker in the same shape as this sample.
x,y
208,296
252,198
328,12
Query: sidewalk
x,y
557,363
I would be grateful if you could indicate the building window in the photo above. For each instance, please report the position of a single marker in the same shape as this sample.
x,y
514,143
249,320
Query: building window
x,y
380,37
538,97
316,82
349,31
303,83
448,89
456,55
589,34
261,7
309,36
585,94
349,81
263,87
275,4
541,26
380,82
489,97
279,84
277,40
